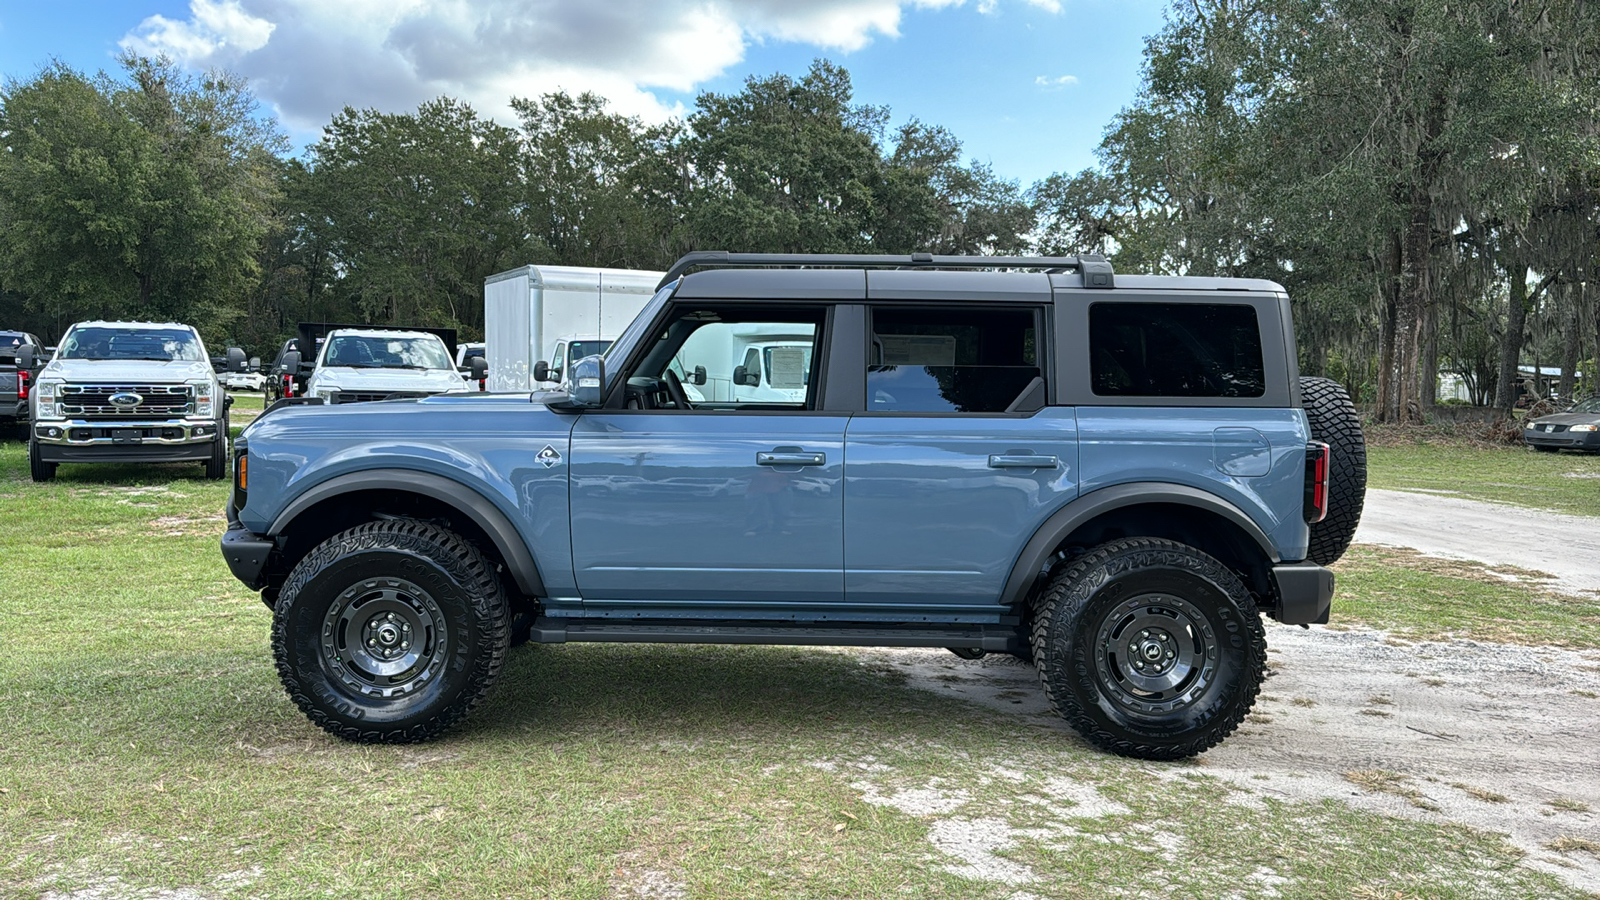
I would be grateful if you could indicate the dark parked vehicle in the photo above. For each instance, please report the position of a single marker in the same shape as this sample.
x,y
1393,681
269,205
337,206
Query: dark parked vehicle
x,y
15,380
1114,476
1575,429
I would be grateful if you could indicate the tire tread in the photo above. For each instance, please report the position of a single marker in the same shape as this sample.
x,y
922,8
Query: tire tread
x,y
462,561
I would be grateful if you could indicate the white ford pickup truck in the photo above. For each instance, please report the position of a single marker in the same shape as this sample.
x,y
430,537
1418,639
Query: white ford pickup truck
x,y
129,392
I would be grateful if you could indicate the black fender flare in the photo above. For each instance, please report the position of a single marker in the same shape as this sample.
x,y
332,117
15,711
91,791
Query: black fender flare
x,y
1036,554
468,501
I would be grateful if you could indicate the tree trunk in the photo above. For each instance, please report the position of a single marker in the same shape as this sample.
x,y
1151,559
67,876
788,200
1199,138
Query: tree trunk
x,y
1412,308
1430,358
1505,392
1386,337
1570,345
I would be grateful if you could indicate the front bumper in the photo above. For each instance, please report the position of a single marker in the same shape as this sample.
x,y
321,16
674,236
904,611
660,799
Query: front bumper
x,y
1568,440
116,432
1305,593
246,555
140,440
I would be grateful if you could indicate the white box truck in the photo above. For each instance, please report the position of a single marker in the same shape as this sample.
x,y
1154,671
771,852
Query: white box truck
x,y
556,314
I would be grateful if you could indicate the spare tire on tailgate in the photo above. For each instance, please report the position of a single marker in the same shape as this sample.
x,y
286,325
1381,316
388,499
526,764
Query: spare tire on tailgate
x,y
1335,423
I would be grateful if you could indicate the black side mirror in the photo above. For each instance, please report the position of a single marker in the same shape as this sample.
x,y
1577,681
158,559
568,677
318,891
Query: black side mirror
x,y
236,360
541,371
255,364
290,363
698,376
25,356
746,378
480,368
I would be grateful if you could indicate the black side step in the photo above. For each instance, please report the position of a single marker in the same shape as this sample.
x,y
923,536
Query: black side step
x,y
997,638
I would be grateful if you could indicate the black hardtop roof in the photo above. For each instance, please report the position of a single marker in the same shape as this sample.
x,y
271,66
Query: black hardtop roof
x,y
919,276
1096,270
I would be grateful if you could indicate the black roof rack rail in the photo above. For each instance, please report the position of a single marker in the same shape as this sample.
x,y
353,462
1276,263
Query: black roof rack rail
x,y
1096,269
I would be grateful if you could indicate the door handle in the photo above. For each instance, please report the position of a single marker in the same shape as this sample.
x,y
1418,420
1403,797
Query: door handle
x,y
1024,462
790,458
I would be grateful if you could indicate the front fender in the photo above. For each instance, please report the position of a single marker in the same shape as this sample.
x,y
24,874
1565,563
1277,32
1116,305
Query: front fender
x,y
483,512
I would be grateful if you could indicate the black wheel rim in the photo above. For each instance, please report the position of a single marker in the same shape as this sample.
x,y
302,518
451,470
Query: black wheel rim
x,y
1155,654
384,638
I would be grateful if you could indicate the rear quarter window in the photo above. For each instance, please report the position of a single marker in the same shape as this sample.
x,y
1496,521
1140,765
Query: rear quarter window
x,y
1175,350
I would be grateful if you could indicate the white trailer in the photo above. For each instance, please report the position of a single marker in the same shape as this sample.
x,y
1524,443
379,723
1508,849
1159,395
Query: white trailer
x,y
542,312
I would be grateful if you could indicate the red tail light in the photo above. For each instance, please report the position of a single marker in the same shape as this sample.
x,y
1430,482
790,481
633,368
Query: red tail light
x,y
22,384
288,386
1317,459
483,384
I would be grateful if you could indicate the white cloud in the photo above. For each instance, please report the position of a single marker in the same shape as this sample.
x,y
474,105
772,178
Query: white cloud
x,y
310,58
1056,83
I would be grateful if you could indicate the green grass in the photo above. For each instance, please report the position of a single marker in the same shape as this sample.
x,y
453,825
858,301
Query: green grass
x,y
1566,482
148,746
1409,594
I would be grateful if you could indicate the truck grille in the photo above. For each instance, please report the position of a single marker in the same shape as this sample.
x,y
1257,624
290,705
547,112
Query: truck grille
x,y
155,400
359,397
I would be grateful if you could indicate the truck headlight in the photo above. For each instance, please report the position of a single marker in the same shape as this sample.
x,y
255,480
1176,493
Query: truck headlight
x,y
49,397
1584,428
205,398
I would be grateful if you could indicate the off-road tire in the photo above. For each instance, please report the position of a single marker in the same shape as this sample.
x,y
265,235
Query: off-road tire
x,y
1102,602
1334,422
217,465
433,580
37,467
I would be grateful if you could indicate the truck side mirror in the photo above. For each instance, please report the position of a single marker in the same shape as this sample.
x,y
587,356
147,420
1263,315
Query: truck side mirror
x,y
541,371
480,368
25,356
588,382
236,360
742,376
255,364
290,364
698,376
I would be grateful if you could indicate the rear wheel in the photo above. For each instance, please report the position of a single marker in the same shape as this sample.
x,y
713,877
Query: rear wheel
x,y
1149,648
37,467
390,632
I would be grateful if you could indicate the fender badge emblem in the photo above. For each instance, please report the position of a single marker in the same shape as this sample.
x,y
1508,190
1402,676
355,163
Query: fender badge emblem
x,y
548,456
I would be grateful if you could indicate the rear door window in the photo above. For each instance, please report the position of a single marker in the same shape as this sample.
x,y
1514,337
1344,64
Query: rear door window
x,y
953,360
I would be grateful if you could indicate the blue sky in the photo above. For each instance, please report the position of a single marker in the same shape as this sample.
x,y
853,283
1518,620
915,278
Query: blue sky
x,y
1027,85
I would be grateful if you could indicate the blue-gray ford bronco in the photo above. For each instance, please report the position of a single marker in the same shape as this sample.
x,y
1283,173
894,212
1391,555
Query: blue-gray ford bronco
x,y
1112,476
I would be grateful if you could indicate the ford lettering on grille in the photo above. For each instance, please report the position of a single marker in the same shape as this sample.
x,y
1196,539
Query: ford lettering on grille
x,y
126,401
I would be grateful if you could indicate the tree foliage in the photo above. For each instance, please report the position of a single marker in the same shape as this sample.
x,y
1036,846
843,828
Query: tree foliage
x,y
146,196
1423,176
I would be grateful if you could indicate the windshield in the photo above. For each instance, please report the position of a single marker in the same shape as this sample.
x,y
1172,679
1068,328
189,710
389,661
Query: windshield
x,y
371,351
111,342
1591,405
579,349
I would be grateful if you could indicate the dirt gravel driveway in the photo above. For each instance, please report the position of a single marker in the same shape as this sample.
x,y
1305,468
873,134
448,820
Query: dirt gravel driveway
x,y
1567,547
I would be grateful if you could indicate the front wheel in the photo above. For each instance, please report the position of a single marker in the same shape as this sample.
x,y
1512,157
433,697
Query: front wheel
x,y
38,469
390,632
1149,648
217,465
